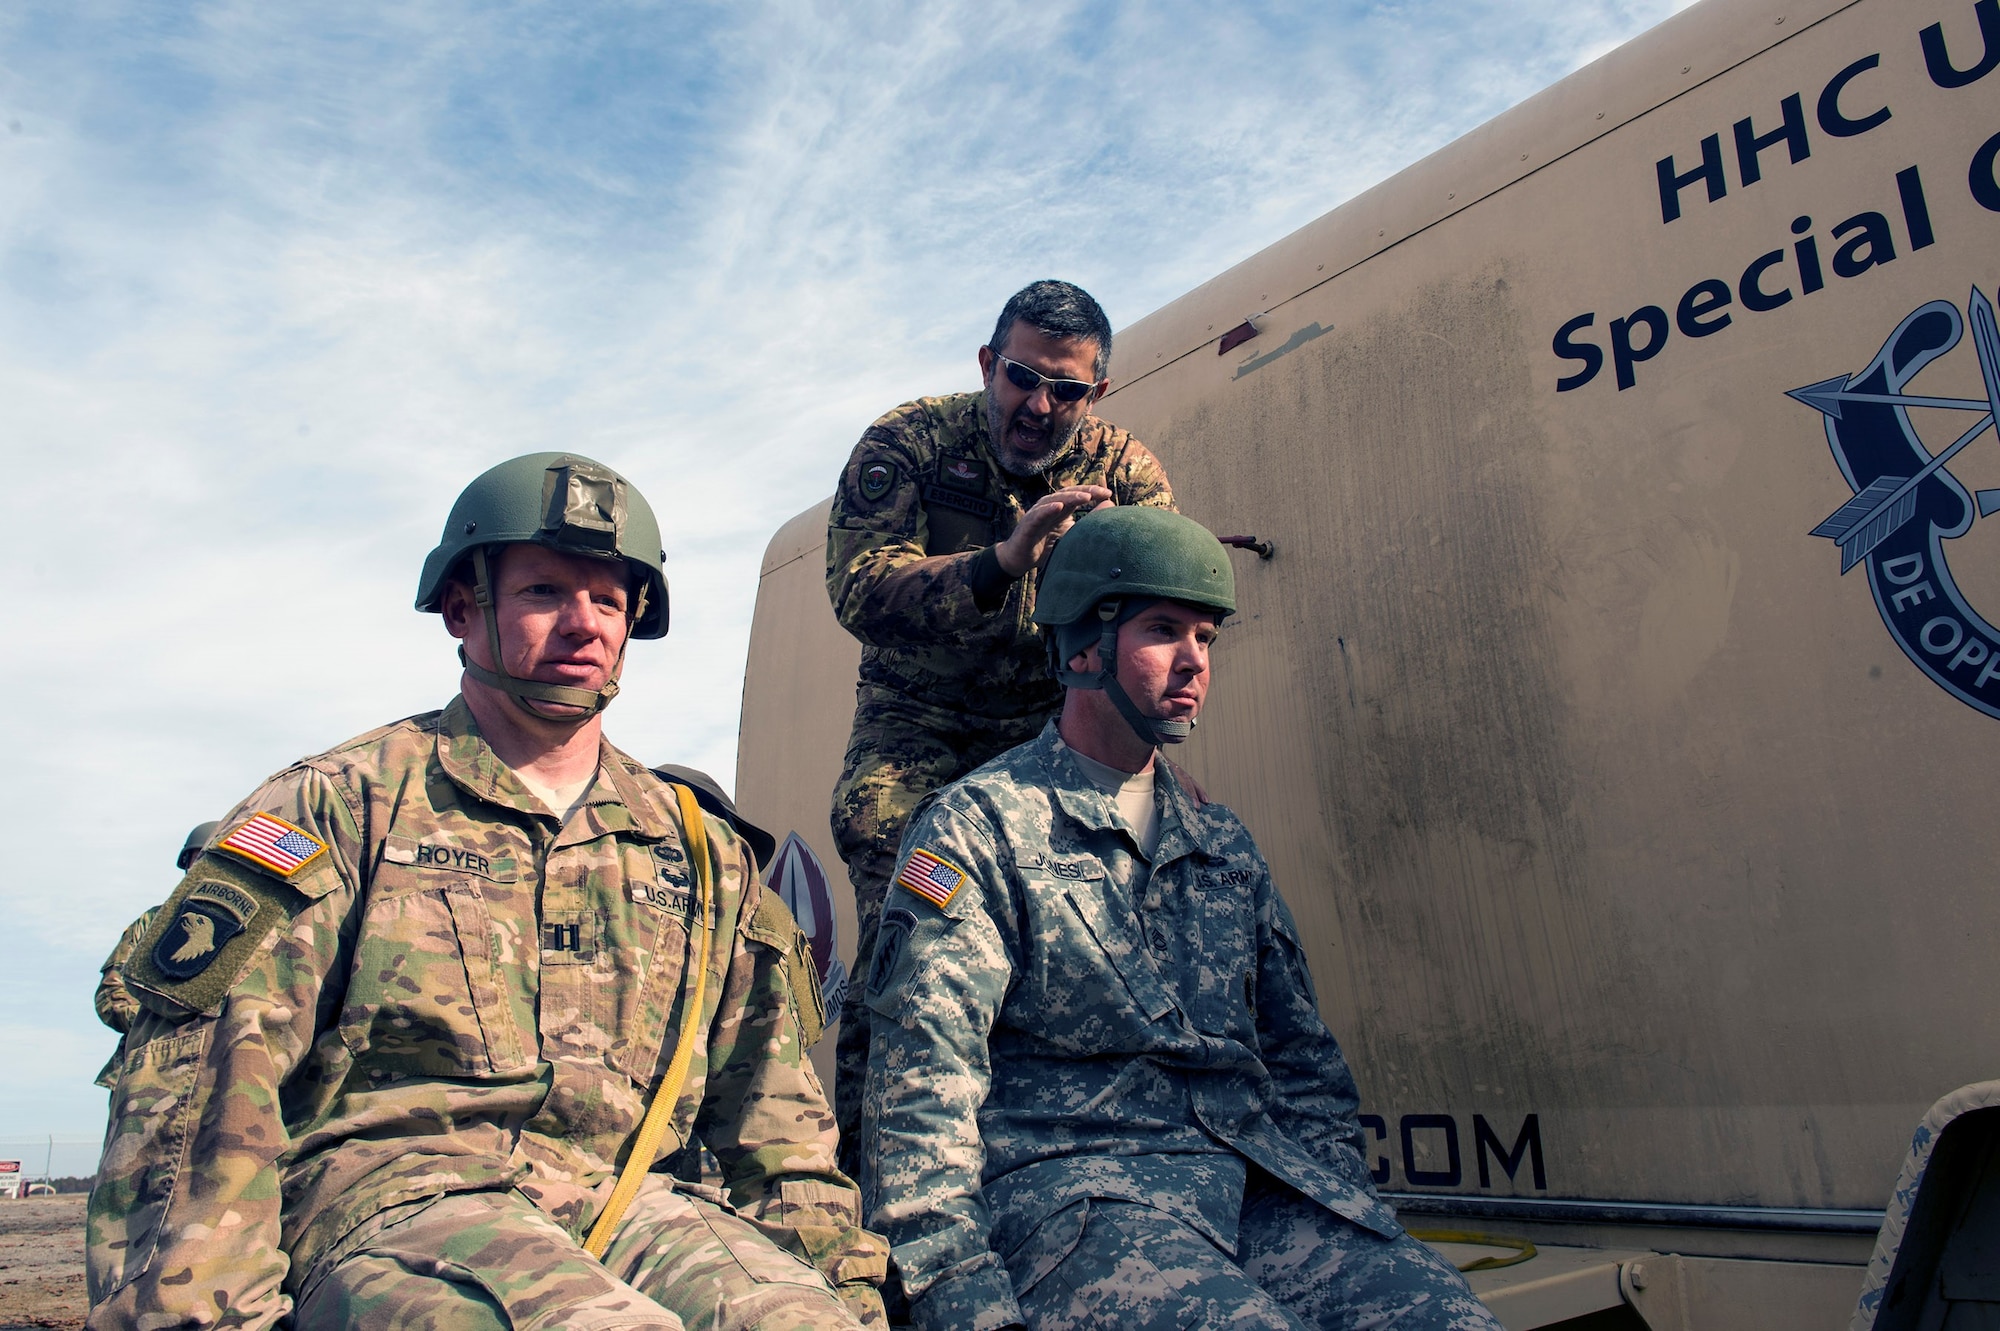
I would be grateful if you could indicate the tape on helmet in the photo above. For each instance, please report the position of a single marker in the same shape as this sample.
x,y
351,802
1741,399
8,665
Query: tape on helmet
x,y
568,503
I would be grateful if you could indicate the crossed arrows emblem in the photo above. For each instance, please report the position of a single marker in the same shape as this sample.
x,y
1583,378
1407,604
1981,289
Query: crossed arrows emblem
x,y
1887,503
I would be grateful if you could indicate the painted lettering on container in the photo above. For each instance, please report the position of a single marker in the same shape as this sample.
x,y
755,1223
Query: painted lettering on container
x,y
1428,1151
1753,150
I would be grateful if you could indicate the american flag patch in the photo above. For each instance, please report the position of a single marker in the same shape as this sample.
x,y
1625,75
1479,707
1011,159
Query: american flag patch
x,y
273,843
935,880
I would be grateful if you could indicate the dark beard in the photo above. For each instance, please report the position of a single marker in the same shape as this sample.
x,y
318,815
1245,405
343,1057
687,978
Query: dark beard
x,y
1012,462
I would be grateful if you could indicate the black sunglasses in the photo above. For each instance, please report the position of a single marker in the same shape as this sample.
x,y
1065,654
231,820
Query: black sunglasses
x,y
1028,380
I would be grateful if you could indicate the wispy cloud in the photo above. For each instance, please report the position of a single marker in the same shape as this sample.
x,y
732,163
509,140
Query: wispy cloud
x,y
278,279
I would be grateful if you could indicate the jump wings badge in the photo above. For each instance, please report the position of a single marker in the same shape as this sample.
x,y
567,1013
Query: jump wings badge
x,y
1906,504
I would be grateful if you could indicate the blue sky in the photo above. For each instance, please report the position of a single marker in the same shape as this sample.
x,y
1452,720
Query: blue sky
x,y
276,280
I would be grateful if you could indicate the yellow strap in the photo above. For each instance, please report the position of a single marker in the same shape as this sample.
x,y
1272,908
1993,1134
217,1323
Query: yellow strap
x,y
660,1114
1523,1248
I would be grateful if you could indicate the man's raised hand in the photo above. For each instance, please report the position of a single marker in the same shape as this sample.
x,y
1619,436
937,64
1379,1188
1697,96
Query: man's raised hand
x,y
1053,514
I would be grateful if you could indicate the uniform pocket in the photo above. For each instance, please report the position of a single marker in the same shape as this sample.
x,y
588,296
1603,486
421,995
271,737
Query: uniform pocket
x,y
807,1201
145,1151
1038,1255
950,532
1219,986
756,1256
1089,974
651,975
428,993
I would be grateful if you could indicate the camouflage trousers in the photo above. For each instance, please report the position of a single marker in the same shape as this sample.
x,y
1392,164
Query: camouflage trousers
x,y
1108,1264
490,1261
898,752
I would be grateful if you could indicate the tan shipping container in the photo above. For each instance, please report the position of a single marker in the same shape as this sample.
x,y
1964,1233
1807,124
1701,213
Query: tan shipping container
x,y
1647,860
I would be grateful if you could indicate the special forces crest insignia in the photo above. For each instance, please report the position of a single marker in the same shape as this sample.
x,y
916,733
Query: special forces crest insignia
x,y
1906,505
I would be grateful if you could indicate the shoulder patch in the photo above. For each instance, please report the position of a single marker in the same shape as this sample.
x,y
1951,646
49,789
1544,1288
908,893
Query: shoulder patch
x,y
931,876
897,925
204,923
772,923
876,478
205,937
272,843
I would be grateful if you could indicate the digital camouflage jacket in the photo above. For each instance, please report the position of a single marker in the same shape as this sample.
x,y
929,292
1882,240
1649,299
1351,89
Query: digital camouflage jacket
x,y
908,567
450,993
1056,1019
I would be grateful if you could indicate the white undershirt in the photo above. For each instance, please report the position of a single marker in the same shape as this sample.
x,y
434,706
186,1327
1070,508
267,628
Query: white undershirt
x,y
562,801
1132,792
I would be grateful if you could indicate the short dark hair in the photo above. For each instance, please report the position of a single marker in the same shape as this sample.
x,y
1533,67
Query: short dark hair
x,y
1061,310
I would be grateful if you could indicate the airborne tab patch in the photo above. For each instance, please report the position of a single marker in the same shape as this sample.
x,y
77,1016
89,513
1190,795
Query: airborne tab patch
x,y
208,935
272,843
202,926
935,879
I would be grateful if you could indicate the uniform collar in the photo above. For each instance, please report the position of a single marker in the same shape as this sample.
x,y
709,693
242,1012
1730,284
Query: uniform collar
x,y
629,797
618,800
1183,830
469,760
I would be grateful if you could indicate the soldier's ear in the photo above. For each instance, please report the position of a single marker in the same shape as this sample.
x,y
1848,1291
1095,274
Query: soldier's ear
x,y
458,607
987,360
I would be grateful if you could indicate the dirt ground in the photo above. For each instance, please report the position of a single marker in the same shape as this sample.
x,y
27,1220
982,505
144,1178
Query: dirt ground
x,y
41,1263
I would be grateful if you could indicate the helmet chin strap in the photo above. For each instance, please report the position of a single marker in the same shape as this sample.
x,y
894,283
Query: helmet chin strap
x,y
524,691
1151,730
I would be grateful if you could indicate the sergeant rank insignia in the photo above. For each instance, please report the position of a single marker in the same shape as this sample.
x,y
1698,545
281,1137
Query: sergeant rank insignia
x,y
274,844
1906,504
934,879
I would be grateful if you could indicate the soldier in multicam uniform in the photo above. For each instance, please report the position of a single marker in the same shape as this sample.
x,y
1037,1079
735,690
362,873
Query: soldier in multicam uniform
x,y
401,1019
1100,1093
946,506
114,1002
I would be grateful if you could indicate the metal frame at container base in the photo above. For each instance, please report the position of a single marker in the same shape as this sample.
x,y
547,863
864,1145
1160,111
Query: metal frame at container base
x,y
1794,1219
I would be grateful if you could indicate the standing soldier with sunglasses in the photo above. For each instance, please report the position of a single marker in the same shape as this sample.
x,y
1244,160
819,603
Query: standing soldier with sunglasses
x,y
947,509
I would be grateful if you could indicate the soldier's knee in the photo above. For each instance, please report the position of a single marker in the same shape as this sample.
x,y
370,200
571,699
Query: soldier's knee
x,y
380,1290
788,1308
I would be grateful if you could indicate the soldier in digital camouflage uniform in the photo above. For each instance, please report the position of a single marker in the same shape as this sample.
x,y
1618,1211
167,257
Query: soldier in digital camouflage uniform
x,y
1100,1093
400,1020
946,506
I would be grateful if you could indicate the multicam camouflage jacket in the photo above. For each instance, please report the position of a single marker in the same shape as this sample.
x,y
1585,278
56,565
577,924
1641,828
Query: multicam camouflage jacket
x,y
115,1005
908,568
450,993
1056,1018
114,1002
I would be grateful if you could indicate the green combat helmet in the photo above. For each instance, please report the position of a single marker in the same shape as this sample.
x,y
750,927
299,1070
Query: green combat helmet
x,y
197,841
570,504
1110,566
